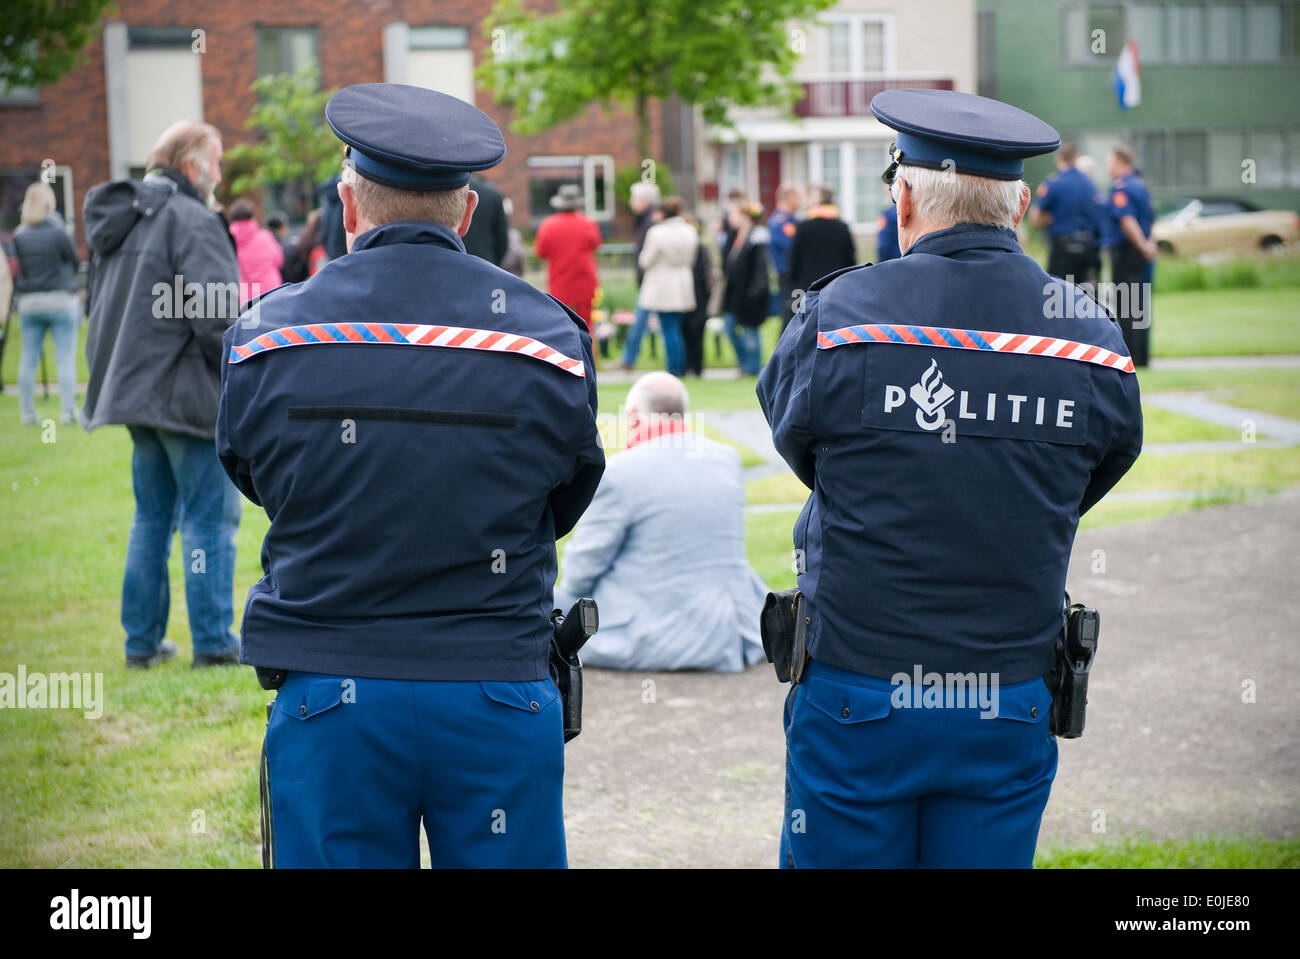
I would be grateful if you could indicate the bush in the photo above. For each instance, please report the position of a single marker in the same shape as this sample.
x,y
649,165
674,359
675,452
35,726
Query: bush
x,y
1236,274
1178,275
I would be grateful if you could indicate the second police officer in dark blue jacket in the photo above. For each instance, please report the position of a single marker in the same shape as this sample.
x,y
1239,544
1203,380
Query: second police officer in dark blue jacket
x,y
420,428
1133,252
954,412
1068,208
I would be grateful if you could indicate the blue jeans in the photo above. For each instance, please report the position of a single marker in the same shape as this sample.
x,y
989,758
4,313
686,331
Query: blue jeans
x,y
62,326
179,481
674,342
632,349
670,324
749,349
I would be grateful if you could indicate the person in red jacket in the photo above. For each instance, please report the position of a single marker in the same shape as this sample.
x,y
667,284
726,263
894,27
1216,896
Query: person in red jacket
x,y
567,240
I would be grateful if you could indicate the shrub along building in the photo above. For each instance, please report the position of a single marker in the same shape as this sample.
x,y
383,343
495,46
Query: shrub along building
x,y
153,64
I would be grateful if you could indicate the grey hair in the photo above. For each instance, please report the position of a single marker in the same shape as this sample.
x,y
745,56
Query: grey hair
x,y
647,191
943,196
659,393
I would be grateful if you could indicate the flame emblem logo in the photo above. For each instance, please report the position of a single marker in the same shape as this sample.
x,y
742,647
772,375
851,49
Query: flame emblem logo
x,y
931,395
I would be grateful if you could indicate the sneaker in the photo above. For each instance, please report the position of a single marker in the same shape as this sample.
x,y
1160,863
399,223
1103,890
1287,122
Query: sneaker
x,y
166,650
229,658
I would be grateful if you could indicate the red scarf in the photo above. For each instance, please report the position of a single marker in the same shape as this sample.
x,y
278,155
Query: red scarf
x,y
653,430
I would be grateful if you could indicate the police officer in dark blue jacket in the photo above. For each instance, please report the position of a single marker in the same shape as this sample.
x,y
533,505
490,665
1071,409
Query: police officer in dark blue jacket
x,y
954,412
1133,252
420,428
1067,207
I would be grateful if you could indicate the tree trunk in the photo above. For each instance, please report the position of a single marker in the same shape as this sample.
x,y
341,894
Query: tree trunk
x,y
643,126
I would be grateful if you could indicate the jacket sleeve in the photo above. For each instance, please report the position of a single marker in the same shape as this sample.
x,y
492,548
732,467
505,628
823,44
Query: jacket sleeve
x,y
596,543
796,254
785,392
649,251
236,467
570,498
1123,451
202,254
69,250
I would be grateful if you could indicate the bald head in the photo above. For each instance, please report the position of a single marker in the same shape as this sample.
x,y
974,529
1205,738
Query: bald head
x,y
657,394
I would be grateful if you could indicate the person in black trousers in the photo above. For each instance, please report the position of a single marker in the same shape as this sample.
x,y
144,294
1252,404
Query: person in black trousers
x,y
694,322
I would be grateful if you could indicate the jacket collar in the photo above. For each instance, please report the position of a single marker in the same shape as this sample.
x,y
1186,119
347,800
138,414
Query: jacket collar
x,y
182,182
409,231
966,236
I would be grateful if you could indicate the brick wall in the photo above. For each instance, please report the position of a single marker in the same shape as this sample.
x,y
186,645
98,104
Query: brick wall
x,y
70,123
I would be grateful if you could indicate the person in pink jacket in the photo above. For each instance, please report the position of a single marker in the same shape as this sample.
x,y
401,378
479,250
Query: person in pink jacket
x,y
259,252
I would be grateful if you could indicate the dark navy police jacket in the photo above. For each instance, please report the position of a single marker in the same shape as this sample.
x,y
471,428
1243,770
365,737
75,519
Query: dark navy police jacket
x,y
420,428
954,412
1071,198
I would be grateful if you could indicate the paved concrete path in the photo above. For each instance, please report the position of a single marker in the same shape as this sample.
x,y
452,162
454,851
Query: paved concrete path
x,y
686,769
1202,406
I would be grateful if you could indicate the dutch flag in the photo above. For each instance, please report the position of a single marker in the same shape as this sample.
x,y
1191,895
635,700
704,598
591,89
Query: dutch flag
x,y
1128,77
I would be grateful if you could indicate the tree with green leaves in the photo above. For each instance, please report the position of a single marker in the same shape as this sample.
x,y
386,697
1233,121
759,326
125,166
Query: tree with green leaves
x,y
295,145
715,54
41,41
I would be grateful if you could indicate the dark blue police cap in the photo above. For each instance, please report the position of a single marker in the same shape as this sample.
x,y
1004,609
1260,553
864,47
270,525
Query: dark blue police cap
x,y
411,138
943,129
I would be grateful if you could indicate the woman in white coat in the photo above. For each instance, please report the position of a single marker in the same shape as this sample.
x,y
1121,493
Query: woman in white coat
x,y
668,287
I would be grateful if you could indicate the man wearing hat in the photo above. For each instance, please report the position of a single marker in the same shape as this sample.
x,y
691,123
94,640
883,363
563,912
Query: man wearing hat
x,y
568,240
420,428
954,412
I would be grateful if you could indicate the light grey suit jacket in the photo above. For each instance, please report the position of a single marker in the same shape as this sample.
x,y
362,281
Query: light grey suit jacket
x,y
661,549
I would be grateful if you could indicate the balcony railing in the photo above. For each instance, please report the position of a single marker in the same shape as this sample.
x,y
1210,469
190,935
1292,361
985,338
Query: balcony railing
x,y
852,98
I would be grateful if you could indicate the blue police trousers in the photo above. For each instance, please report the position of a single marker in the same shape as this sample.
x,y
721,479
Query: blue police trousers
x,y
878,778
352,767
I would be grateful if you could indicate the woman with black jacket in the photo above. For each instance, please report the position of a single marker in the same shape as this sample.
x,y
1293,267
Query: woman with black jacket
x,y
747,298
46,288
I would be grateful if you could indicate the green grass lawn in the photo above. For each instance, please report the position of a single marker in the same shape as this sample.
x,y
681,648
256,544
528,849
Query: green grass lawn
x,y
1225,322
1208,852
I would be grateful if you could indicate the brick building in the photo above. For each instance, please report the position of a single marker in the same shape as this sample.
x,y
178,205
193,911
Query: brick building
x,y
158,61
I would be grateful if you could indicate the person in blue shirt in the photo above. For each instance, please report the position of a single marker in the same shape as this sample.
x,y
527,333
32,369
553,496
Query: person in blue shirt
x,y
1066,207
953,413
419,426
1133,252
781,226
887,233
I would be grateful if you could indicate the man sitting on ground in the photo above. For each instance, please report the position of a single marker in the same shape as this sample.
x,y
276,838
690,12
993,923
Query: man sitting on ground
x,y
661,548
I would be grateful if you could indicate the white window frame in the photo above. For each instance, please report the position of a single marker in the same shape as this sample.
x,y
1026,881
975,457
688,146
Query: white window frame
x,y
855,22
589,166
846,194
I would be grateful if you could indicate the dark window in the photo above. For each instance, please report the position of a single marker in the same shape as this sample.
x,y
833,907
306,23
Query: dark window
x,y
1189,160
14,182
286,49
159,38
1092,32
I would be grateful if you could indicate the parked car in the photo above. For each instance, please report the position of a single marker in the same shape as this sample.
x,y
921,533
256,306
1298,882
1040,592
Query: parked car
x,y
1212,225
